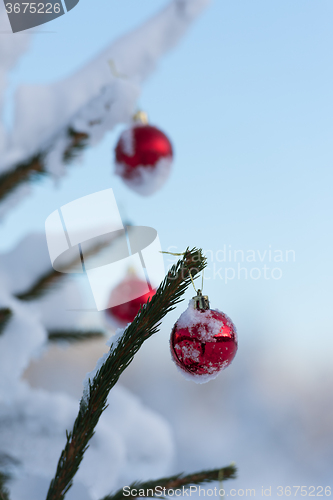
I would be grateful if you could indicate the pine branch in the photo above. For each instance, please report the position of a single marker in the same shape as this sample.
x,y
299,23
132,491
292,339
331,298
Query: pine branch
x,y
23,172
144,325
4,493
5,315
156,487
34,167
45,283
77,145
72,336
42,286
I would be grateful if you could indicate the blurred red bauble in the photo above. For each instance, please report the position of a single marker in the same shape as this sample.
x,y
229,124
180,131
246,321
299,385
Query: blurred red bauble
x,y
143,158
203,341
126,310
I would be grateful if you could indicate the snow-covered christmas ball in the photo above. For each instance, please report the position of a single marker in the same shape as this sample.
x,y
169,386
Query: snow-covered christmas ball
x,y
126,310
143,158
203,341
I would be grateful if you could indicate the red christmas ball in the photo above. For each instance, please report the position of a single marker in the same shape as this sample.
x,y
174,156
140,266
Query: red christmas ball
x,y
143,158
126,310
203,342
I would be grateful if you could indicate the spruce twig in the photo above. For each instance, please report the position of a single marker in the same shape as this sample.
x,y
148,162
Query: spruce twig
x,y
45,283
42,286
4,494
5,315
72,336
77,145
35,166
144,325
172,483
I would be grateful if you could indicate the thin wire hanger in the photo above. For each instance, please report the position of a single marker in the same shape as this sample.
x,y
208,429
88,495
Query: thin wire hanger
x,y
199,291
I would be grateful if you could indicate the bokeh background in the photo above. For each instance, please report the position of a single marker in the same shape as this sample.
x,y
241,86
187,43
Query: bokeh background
x,y
246,99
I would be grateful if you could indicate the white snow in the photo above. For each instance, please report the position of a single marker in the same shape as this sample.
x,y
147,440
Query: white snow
x,y
36,488
32,433
20,341
11,49
126,141
91,375
54,160
61,309
22,266
193,317
148,179
140,441
13,198
112,342
198,379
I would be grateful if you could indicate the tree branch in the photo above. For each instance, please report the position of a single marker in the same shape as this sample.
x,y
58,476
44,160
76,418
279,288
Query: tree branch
x,y
34,167
4,494
72,336
5,315
173,483
121,354
44,284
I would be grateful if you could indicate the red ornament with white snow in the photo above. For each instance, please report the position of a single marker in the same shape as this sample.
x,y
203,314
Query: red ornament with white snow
x,y
127,307
203,341
143,157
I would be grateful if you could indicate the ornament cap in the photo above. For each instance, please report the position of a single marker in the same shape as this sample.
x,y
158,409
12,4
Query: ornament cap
x,y
131,272
201,302
141,117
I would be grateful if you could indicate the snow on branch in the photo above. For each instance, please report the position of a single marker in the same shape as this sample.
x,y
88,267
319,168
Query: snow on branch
x,y
22,338
52,122
11,49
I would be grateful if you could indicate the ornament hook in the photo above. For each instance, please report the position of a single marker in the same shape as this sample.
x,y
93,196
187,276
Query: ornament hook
x,y
201,302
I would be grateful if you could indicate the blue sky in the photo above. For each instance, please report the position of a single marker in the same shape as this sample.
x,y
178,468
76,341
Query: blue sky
x,y
246,98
